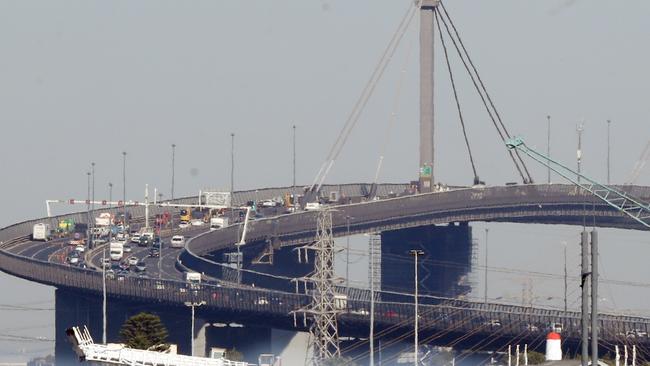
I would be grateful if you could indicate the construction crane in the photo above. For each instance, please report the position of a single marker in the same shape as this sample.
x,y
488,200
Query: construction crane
x,y
640,164
631,206
116,354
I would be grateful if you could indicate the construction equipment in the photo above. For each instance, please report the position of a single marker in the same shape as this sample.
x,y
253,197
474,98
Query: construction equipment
x,y
631,206
639,165
118,354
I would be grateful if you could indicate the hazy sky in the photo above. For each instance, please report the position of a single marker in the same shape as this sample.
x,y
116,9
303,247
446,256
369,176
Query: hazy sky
x,y
82,81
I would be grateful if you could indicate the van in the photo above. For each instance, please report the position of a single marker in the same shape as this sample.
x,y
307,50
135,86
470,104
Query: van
x,y
42,232
193,280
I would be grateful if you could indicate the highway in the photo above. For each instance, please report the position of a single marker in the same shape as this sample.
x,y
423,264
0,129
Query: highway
x,y
42,262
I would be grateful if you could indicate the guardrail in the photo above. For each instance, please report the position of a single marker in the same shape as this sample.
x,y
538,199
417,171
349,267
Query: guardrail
x,y
463,316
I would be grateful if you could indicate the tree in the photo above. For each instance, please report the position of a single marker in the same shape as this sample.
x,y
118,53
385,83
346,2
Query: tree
x,y
536,358
143,331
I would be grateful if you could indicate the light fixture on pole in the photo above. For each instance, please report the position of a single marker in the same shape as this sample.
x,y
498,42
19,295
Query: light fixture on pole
x,y
193,304
416,253
124,188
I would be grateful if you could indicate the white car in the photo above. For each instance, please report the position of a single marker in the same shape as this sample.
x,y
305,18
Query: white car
x,y
197,222
183,224
80,248
178,241
133,261
135,238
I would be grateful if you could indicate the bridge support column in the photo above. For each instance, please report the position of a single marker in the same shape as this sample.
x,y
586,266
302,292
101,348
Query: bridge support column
x,y
444,268
285,264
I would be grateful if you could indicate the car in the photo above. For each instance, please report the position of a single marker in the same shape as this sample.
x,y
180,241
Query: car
x,y
157,243
106,262
144,241
493,323
80,249
73,258
82,264
178,241
184,224
127,248
110,274
154,253
135,238
141,266
197,222
121,275
124,265
123,239
132,261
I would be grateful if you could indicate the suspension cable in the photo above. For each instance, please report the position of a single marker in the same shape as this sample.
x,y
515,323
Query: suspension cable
x,y
485,103
453,86
478,76
354,115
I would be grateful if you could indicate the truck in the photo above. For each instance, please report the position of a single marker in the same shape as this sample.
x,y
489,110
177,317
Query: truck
x,y
218,222
42,232
185,215
193,280
104,219
116,250
65,227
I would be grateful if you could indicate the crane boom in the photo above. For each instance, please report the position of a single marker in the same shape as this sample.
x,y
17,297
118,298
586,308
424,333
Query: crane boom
x,y
639,165
631,206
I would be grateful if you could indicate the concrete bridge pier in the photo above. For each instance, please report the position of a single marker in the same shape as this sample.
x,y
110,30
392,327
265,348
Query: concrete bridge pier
x,y
444,268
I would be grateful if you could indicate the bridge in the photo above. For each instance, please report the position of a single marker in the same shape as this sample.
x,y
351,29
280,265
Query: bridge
x,y
272,307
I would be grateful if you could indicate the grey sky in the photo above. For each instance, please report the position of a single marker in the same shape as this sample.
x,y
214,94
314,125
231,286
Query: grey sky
x,y
81,81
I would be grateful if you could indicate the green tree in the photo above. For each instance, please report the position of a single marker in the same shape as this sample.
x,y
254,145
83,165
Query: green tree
x,y
234,355
143,331
536,358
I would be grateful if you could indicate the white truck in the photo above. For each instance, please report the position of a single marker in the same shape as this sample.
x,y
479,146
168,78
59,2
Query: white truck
x,y
218,222
116,250
104,219
193,280
42,232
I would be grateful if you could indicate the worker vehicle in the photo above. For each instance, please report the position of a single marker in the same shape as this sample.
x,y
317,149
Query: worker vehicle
x,y
104,219
193,280
42,232
116,250
218,222
65,227
185,215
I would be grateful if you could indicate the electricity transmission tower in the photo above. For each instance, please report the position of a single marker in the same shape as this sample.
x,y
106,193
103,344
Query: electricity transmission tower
x,y
325,304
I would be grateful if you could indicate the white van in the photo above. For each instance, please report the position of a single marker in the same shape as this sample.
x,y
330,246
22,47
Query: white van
x,y
42,232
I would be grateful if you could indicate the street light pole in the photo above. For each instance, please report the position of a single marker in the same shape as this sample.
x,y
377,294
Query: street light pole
x,y
609,122
347,256
579,129
548,145
92,210
104,296
171,217
487,230
192,304
124,187
232,164
294,160
416,253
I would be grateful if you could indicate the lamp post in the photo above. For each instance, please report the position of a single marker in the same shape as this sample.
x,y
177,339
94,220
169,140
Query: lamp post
x,y
92,205
548,145
294,160
416,253
171,217
110,194
609,122
193,304
487,230
104,296
124,187
232,164
347,255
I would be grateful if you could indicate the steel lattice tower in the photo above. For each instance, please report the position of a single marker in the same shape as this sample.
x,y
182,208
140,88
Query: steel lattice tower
x,y
324,308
